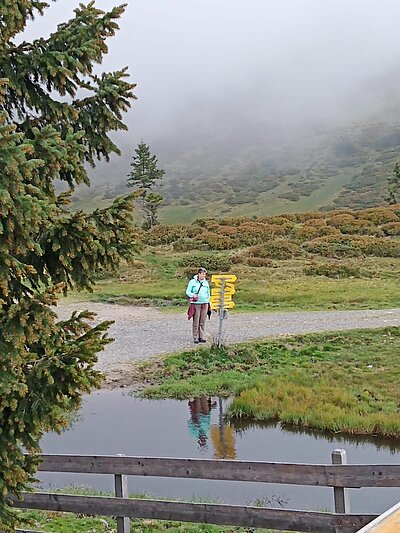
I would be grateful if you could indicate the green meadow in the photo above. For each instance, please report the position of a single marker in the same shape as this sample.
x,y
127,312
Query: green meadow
x,y
310,261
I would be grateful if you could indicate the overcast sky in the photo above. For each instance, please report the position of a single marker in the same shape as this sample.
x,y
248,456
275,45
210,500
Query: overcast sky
x,y
223,61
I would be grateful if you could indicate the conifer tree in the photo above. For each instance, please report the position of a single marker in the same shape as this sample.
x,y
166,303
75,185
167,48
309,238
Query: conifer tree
x,y
144,175
145,171
49,132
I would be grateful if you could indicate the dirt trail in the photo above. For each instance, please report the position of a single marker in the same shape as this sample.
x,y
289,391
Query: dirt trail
x,y
141,332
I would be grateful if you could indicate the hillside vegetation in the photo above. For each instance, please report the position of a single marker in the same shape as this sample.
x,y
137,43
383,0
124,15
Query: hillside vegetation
x,y
314,260
258,170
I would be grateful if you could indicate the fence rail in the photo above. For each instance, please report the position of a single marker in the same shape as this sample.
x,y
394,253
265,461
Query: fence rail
x,y
234,515
338,476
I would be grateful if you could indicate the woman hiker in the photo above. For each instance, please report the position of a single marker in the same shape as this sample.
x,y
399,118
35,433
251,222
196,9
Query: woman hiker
x,y
198,291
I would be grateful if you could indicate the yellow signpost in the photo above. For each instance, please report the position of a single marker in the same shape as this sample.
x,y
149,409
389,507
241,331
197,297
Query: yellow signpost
x,y
221,298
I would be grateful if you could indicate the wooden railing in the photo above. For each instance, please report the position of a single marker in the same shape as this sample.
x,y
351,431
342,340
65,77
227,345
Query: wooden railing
x,y
338,476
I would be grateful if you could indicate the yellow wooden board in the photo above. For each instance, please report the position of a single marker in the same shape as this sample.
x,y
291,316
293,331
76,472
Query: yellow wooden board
x,y
228,291
217,278
227,304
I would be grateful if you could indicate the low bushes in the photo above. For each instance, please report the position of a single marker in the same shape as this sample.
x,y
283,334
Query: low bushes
x,y
213,263
275,249
329,270
346,246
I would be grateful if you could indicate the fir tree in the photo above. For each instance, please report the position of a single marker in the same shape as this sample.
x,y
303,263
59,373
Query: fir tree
x,y
144,175
46,364
145,171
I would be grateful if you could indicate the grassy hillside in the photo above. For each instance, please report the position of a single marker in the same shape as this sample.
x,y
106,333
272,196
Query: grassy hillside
x,y
261,171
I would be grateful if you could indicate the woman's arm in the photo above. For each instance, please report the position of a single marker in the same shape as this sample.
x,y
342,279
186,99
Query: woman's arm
x,y
189,291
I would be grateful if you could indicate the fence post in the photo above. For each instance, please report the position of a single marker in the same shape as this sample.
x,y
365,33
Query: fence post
x,y
340,495
121,491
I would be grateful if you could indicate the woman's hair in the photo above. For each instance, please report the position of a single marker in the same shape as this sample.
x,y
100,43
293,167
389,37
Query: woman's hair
x,y
202,269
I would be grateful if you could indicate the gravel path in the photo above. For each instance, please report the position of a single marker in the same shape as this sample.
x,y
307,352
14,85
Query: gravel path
x,y
141,333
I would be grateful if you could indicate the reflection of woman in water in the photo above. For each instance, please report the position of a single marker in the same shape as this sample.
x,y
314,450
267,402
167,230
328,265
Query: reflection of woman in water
x,y
200,419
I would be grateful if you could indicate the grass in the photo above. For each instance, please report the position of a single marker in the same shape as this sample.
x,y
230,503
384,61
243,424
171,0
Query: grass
x,y
340,382
156,279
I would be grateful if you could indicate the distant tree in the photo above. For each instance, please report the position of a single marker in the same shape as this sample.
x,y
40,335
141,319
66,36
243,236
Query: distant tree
x,y
394,185
48,133
144,175
145,171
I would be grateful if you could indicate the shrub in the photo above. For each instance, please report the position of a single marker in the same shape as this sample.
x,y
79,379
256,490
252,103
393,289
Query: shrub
x,y
384,247
308,232
278,219
330,270
258,262
349,225
186,245
340,219
391,228
282,220
163,234
346,246
255,232
188,272
275,249
213,262
310,215
339,246
379,215
217,242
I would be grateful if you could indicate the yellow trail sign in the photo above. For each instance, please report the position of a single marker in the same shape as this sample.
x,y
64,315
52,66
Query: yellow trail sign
x,y
217,278
216,304
221,298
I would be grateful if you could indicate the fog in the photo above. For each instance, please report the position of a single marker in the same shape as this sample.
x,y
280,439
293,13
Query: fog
x,y
206,67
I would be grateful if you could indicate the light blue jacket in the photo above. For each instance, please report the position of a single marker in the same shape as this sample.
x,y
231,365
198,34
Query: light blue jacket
x,y
193,288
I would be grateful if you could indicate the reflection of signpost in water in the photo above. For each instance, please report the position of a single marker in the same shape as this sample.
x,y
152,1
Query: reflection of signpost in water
x,y
223,437
221,298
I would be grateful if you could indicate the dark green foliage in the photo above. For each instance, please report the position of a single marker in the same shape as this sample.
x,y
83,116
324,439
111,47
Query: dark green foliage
x,y
46,365
346,246
145,172
336,271
144,175
277,249
212,262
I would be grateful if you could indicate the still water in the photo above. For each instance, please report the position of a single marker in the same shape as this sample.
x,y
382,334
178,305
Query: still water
x,y
113,422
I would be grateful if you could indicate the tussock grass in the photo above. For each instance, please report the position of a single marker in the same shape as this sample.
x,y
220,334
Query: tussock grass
x,y
340,382
300,399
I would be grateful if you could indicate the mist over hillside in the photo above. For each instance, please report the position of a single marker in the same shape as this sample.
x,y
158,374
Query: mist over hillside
x,y
258,107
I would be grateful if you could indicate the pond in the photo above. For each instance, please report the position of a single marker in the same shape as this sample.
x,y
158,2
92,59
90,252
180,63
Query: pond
x,y
115,422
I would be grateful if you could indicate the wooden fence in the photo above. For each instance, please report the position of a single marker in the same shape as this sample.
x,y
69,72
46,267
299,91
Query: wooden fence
x,y
337,475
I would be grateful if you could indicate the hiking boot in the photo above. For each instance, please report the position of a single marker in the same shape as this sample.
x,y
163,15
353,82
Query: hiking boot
x,y
202,340
196,341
